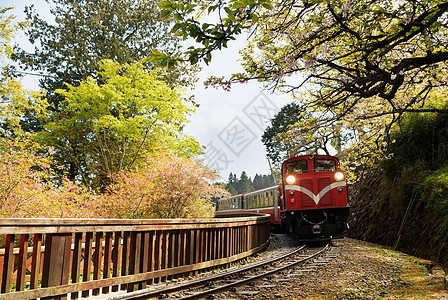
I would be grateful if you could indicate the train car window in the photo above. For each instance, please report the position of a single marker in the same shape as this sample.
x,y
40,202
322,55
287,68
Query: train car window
x,y
322,165
297,167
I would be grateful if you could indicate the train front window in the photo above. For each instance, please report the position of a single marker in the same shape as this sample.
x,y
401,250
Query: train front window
x,y
323,165
296,167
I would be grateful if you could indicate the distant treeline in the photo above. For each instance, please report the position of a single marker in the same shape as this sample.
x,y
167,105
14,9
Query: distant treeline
x,y
245,184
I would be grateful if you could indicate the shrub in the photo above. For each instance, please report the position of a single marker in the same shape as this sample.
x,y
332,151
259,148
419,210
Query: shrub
x,y
165,186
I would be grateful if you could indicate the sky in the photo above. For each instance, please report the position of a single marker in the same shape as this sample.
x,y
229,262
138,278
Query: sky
x,y
229,124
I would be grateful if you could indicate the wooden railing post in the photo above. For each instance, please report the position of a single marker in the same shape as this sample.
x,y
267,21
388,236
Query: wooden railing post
x,y
36,261
56,261
107,259
76,264
21,266
8,263
117,258
134,260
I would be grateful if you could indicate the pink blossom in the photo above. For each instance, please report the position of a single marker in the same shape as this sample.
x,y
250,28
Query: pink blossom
x,y
309,63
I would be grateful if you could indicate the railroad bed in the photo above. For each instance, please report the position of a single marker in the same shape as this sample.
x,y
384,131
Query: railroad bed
x,y
363,270
246,280
357,270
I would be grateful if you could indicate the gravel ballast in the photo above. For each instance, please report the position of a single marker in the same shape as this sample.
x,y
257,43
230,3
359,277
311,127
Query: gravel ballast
x,y
361,271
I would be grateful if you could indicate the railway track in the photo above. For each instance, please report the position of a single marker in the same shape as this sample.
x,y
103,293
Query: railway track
x,y
299,261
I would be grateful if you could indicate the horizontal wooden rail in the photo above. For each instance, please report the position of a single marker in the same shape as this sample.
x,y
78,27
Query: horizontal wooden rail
x,y
52,258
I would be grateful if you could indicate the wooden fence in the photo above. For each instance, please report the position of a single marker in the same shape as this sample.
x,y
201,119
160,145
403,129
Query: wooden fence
x,y
46,258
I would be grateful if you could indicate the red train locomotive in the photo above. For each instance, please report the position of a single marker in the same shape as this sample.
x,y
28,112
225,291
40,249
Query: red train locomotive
x,y
311,202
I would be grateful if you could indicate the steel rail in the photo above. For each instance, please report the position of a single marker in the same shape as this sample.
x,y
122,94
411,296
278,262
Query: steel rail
x,y
202,281
150,293
255,277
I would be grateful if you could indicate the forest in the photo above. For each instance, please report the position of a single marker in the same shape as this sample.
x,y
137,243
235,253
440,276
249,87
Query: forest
x,y
245,184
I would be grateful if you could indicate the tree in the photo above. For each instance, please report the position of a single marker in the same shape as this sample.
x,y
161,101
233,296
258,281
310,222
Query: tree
x,y
164,186
356,60
231,185
113,123
14,100
7,32
263,181
244,184
293,131
88,31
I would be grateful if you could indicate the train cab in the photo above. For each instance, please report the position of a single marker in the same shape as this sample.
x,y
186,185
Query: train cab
x,y
314,196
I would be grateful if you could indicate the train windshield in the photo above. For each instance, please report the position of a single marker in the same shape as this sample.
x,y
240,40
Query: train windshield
x,y
323,165
297,167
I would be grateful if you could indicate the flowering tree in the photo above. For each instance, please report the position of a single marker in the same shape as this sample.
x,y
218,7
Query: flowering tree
x,y
165,186
353,60
27,186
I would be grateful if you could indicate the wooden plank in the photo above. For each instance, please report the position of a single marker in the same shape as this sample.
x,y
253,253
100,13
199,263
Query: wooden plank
x,y
97,259
117,256
170,249
107,258
70,288
76,261
122,222
134,261
209,244
8,263
157,253
219,243
21,266
197,242
215,244
182,247
150,250
44,226
177,248
47,259
249,237
205,245
36,261
65,277
87,260
54,255
164,252
232,241
144,257
125,256
189,259
243,238
240,238
223,242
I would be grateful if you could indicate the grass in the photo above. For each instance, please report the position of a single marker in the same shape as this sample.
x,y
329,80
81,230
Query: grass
x,y
417,280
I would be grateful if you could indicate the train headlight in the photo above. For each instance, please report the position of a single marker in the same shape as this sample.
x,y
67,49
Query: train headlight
x,y
291,179
339,176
